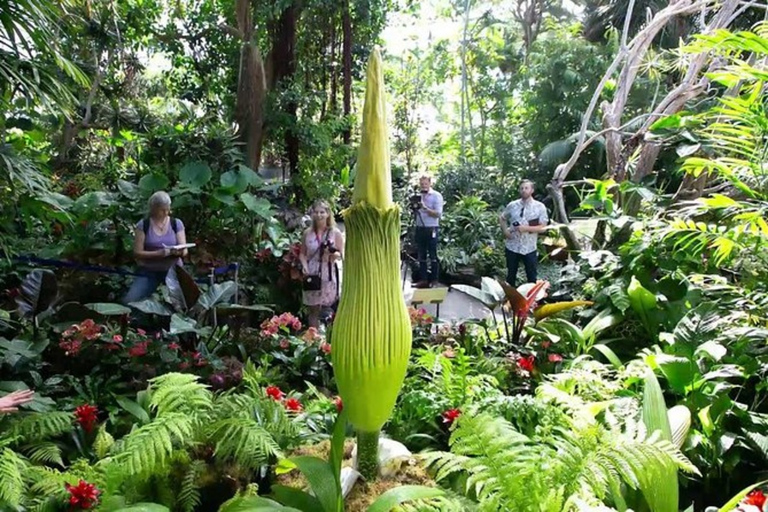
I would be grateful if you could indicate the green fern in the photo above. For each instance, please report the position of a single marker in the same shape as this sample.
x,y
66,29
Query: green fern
x,y
588,463
29,428
244,441
179,392
188,498
44,452
11,481
103,442
146,450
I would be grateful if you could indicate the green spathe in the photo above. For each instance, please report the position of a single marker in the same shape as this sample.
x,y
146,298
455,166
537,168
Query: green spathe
x,y
372,330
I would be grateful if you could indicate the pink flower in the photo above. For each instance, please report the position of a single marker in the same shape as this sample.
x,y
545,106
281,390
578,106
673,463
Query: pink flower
x,y
451,415
325,347
311,335
141,332
117,338
285,344
275,393
199,359
338,403
138,350
555,358
174,346
293,405
71,348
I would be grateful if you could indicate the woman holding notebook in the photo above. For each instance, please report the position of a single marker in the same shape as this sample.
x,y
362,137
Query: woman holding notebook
x,y
159,243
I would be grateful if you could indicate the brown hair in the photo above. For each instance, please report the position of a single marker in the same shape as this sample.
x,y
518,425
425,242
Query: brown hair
x,y
330,222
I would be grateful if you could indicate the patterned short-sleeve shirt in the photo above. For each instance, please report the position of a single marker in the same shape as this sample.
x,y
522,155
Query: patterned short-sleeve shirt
x,y
524,213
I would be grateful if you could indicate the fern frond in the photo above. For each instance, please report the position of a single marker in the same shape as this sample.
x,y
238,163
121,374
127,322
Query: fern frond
x,y
244,441
146,449
11,481
44,452
29,428
188,498
103,442
179,392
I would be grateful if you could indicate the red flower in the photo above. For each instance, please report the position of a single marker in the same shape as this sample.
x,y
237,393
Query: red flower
x,y
183,365
199,359
138,350
293,405
451,415
755,498
174,346
86,416
275,393
325,347
555,358
526,363
83,495
338,403
70,347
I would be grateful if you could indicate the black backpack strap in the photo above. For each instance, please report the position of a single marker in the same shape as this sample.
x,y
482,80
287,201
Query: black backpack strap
x,y
175,225
145,225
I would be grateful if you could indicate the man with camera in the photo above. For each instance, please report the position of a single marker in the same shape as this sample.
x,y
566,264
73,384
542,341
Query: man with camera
x,y
427,207
521,222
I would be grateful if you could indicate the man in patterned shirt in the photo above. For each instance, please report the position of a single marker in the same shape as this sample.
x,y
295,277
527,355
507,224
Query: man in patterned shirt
x,y
521,222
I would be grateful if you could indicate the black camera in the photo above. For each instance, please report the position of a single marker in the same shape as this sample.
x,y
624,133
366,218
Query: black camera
x,y
328,246
415,201
515,224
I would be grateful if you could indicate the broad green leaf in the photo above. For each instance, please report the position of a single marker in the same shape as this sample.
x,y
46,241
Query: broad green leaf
x,y
400,495
679,423
255,504
642,302
484,297
319,474
295,498
660,487
144,507
667,123
609,354
151,183
337,446
234,181
109,308
195,174
181,325
258,205
217,294
152,307
93,201
37,293
134,408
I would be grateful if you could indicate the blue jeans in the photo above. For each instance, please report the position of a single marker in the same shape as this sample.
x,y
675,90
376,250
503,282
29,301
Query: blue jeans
x,y
426,244
144,285
530,261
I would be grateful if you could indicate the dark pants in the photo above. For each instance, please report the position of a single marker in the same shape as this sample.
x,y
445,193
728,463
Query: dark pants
x,y
426,244
530,261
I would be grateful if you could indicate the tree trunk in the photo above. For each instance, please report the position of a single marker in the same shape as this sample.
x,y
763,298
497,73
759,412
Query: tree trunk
x,y
347,66
284,67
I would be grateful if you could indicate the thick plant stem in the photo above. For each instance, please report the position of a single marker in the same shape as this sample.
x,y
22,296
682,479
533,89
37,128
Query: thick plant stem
x,y
368,455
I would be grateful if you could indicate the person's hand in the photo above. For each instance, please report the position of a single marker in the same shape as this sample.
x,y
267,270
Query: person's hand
x,y
507,233
10,402
176,252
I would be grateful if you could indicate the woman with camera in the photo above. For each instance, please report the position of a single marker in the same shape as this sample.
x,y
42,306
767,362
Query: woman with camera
x,y
322,245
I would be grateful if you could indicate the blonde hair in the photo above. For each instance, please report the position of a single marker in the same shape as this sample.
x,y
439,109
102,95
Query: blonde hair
x,y
330,221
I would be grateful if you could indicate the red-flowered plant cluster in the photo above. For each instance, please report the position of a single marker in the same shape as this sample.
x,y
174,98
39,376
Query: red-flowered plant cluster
x,y
290,266
283,323
756,498
82,496
73,338
451,415
290,404
420,317
87,417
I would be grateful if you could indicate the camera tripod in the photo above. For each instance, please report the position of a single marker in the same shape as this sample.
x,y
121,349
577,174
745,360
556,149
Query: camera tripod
x,y
406,242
